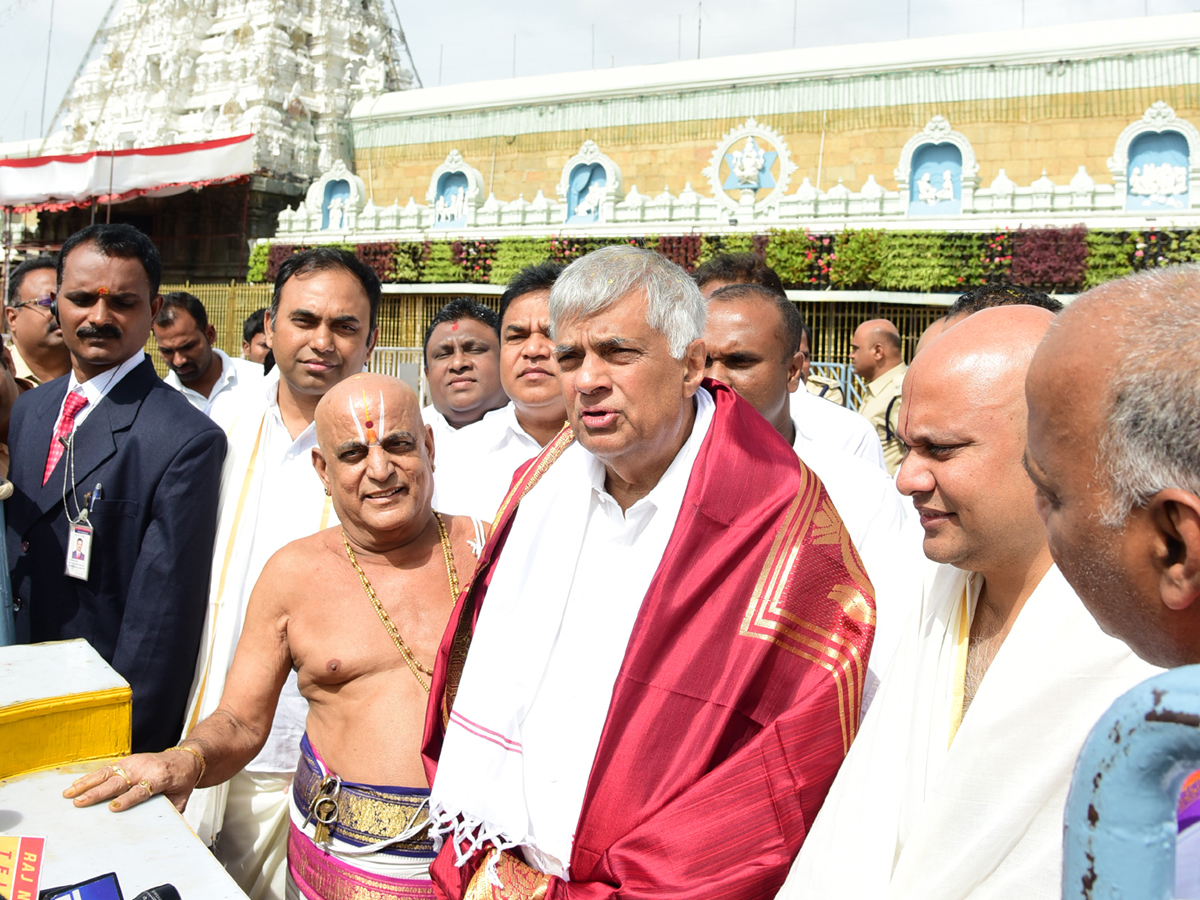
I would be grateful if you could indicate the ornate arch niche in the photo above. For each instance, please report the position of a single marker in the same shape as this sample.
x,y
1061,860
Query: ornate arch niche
x,y
932,153
1168,144
590,186
455,192
337,196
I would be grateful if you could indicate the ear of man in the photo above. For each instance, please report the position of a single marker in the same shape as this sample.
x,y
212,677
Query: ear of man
x,y
693,362
1175,516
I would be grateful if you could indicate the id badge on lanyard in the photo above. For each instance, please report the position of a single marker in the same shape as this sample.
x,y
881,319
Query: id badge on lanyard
x,y
79,550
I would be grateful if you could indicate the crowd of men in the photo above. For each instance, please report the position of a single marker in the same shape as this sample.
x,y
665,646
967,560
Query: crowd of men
x,y
668,620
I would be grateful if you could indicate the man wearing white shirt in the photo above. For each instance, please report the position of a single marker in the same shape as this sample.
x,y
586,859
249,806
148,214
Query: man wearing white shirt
x,y
752,334
322,327
110,454
210,379
661,629
462,367
474,472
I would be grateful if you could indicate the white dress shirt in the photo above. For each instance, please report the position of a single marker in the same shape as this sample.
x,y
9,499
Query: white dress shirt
x,y
288,492
223,401
562,728
475,468
443,431
96,389
829,425
887,538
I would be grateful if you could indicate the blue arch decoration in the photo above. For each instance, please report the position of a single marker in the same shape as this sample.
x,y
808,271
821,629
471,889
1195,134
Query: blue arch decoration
x,y
451,190
939,194
1155,179
583,178
338,189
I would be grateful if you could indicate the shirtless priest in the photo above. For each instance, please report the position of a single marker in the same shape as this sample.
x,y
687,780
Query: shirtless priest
x,y
358,610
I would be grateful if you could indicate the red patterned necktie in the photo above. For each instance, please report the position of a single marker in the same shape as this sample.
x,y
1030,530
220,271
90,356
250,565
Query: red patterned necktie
x,y
66,424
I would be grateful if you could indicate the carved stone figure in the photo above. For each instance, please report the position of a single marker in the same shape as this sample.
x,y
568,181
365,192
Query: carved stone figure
x,y
747,163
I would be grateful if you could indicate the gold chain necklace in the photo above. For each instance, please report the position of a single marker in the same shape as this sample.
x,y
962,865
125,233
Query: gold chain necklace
x,y
388,624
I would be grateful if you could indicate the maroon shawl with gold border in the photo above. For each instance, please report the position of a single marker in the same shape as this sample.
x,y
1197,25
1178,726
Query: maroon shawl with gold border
x,y
738,696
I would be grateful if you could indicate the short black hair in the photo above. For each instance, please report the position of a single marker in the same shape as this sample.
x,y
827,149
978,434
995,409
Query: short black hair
x,y
121,241
460,308
329,259
988,295
253,325
539,277
18,275
793,322
738,268
182,300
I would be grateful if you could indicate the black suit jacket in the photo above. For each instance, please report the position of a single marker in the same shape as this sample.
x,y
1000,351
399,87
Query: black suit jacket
x,y
158,460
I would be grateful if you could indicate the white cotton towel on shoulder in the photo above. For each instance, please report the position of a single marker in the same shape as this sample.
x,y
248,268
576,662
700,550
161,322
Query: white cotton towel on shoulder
x,y
909,818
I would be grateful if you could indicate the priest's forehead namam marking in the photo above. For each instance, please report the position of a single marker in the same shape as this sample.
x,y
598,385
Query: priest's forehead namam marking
x,y
368,428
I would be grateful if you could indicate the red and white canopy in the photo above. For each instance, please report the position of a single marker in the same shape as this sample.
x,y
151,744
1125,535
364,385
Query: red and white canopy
x,y
113,176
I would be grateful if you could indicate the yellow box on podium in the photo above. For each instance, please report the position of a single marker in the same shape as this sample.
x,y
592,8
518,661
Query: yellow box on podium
x,y
60,703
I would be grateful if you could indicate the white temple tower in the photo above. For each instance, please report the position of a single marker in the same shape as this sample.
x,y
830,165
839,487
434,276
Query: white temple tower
x,y
178,71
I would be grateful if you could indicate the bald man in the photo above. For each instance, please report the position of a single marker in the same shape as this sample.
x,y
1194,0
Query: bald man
x,y
956,785
358,610
876,355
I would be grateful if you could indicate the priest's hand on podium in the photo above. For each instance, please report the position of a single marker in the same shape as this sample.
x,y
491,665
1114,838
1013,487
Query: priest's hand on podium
x,y
173,773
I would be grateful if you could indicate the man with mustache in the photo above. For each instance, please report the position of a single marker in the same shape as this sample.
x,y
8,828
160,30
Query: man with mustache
x,y
109,451
462,367
212,381
37,349
322,326
477,465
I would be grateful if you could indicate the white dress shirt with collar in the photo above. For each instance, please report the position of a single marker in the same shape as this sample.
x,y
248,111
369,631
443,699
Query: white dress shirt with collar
x,y
832,426
96,389
562,729
223,401
290,496
475,468
443,431
887,538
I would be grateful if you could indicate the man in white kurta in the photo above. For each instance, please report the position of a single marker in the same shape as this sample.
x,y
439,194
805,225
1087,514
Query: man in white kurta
x,y
476,465
462,367
956,784
271,496
754,340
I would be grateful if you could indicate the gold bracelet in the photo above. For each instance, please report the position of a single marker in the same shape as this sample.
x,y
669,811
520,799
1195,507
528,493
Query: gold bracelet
x,y
195,753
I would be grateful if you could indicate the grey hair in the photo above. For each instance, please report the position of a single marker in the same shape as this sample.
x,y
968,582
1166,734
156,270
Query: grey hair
x,y
1150,438
675,308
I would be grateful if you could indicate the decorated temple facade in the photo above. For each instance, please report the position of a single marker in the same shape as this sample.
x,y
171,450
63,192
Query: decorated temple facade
x,y
1090,124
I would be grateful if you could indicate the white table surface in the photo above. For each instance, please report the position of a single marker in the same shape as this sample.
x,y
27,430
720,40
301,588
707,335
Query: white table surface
x,y
56,669
146,846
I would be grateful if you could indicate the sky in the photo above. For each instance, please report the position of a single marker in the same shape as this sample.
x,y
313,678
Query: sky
x,y
563,37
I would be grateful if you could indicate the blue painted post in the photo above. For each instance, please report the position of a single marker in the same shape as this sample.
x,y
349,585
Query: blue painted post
x,y
1119,824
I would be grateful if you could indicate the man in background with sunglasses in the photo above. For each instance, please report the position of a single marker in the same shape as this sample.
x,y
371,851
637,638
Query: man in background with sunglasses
x,y
37,342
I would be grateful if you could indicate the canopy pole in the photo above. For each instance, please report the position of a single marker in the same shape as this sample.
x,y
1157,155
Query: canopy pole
x,y
112,159
7,247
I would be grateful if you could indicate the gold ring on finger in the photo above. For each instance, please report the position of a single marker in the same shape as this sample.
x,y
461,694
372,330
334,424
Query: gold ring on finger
x,y
145,782
117,770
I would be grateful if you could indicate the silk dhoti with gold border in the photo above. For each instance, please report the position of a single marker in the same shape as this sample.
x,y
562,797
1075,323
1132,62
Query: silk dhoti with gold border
x,y
342,840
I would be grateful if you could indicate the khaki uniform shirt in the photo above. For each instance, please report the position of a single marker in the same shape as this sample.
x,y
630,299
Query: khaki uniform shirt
x,y
825,388
881,405
22,366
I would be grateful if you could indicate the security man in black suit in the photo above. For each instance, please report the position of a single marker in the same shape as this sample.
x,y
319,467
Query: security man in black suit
x,y
111,455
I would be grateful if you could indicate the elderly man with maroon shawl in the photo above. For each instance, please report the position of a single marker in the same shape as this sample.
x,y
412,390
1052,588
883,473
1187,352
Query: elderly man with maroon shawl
x,y
666,673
